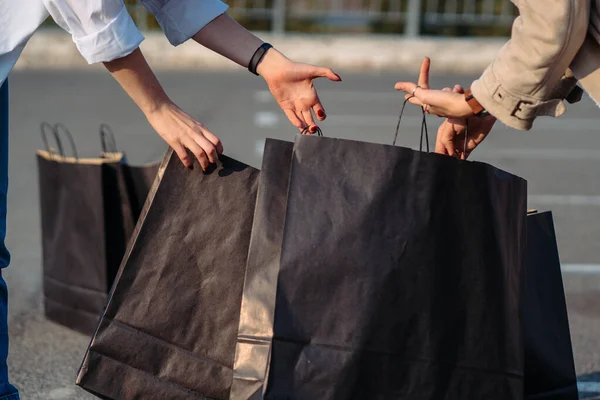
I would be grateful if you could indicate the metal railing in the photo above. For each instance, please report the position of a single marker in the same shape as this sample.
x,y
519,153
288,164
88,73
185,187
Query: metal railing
x,y
411,17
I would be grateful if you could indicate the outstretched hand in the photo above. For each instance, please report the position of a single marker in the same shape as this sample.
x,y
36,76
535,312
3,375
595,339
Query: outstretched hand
x,y
448,104
292,86
451,134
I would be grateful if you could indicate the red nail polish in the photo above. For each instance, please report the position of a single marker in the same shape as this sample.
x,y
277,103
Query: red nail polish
x,y
320,113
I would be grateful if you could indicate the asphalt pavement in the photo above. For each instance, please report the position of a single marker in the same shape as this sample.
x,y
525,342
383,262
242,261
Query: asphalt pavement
x,y
560,158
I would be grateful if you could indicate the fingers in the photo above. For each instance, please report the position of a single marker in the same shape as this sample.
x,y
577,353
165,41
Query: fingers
x,y
183,155
424,73
303,120
208,148
308,118
319,112
197,151
295,119
214,140
458,89
445,139
327,73
406,87
439,145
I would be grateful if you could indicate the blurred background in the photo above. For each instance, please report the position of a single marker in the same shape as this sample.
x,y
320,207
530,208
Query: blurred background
x,y
404,17
373,44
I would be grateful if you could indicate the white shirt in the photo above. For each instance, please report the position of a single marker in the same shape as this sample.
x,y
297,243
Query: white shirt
x,y
101,29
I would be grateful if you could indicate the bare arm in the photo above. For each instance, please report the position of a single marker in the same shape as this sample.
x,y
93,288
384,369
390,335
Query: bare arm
x,y
177,128
290,83
227,37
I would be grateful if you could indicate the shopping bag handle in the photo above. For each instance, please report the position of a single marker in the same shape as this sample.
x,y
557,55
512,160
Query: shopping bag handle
x,y
424,131
305,131
106,134
44,128
66,132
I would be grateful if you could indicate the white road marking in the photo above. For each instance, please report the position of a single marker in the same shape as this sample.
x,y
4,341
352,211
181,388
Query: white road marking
x,y
537,154
259,147
581,268
563,200
266,119
263,96
589,387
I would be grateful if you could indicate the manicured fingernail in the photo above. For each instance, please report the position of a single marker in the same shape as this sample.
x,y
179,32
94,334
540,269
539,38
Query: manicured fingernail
x,y
313,129
456,87
320,113
190,167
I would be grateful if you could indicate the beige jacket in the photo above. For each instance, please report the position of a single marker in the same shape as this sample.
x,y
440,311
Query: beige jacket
x,y
528,79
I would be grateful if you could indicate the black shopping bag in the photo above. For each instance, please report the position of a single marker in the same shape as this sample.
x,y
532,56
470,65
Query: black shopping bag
x,y
83,235
256,321
169,329
549,366
399,277
138,179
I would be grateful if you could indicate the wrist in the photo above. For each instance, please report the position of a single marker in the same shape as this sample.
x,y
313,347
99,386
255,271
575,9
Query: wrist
x,y
465,110
273,62
157,106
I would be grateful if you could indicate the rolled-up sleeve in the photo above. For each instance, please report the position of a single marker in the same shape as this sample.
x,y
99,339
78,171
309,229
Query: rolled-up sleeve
x,y
101,29
182,19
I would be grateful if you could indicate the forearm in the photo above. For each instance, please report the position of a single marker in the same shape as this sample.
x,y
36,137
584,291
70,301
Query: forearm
x,y
228,38
137,79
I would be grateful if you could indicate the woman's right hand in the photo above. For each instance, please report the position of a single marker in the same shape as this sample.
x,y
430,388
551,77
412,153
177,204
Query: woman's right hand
x,y
180,130
451,134
183,132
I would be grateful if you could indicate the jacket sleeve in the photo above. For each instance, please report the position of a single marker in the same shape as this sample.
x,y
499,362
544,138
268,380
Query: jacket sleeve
x,y
527,79
182,19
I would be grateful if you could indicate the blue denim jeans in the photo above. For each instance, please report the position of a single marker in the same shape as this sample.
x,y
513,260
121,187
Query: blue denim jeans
x,y
7,391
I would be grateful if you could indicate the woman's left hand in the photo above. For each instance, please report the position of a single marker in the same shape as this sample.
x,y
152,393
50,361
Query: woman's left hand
x,y
292,87
438,102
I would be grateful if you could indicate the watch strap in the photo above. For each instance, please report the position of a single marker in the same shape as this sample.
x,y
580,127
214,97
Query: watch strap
x,y
477,108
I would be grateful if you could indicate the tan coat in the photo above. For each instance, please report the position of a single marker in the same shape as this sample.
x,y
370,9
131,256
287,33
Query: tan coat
x,y
528,79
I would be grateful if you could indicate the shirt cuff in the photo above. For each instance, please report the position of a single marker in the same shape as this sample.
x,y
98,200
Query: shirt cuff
x,y
182,19
117,39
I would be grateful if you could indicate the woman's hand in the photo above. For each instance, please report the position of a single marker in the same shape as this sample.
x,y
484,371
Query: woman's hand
x,y
438,102
181,131
291,84
451,134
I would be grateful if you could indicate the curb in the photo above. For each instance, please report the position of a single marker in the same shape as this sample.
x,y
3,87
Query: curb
x,y
55,49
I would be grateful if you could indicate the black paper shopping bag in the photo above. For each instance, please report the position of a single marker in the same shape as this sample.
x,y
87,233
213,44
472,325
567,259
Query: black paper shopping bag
x,y
137,179
399,277
170,327
262,270
83,232
549,366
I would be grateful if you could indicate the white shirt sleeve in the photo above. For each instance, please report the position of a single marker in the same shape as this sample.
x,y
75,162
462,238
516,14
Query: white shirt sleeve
x,y
182,19
102,29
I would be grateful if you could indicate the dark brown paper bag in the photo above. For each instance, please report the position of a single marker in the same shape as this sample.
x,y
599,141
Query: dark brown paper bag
x,y
549,366
83,235
89,208
399,277
256,321
170,327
